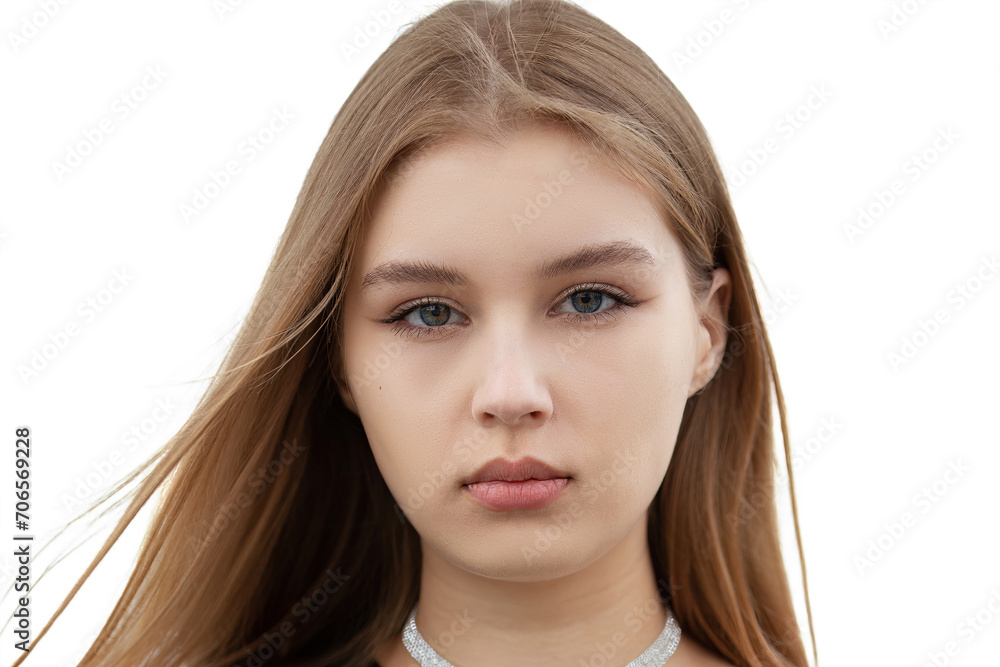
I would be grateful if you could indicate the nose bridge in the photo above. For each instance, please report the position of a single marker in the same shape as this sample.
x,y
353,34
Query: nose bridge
x,y
510,384
508,343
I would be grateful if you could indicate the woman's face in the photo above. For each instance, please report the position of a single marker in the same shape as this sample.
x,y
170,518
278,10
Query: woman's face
x,y
511,343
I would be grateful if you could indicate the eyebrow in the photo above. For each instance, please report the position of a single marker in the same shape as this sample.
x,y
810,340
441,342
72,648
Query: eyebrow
x,y
613,253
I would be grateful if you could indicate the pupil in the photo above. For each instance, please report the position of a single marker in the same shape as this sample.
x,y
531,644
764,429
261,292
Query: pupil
x,y
432,315
587,300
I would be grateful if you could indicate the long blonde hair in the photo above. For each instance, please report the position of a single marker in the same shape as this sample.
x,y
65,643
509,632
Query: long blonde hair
x,y
312,562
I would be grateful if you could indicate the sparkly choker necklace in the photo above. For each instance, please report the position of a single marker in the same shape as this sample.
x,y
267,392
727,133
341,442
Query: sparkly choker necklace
x,y
654,656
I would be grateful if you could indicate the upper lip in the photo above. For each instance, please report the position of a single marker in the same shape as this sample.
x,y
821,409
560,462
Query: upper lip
x,y
501,469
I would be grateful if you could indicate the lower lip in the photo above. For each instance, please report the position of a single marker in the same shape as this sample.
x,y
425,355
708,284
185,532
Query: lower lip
x,y
527,495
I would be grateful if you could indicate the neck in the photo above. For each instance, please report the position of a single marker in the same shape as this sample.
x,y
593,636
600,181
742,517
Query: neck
x,y
611,608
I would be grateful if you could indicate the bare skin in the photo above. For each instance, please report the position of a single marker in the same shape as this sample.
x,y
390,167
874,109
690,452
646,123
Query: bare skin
x,y
511,365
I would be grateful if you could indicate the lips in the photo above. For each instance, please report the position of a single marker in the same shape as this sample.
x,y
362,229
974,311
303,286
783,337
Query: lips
x,y
502,470
529,494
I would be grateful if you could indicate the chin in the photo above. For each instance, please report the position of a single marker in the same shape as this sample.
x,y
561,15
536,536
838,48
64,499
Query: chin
x,y
511,562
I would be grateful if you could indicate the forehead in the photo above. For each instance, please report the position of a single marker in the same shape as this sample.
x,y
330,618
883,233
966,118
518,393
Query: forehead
x,y
531,155
545,147
498,208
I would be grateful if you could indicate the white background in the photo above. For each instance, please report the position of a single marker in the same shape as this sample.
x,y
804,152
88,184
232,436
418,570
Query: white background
x,y
893,74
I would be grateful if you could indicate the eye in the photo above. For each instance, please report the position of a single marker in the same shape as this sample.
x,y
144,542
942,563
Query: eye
x,y
427,316
585,302
421,318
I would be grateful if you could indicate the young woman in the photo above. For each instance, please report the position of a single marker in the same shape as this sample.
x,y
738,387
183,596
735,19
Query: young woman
x,y
504,396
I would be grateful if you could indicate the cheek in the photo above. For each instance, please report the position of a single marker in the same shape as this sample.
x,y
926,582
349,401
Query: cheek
x,y
660,391
628,405
406,434
402,446
636,376
371,372
375,371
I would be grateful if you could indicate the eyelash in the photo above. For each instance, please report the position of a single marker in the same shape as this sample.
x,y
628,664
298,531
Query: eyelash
x,y
401,327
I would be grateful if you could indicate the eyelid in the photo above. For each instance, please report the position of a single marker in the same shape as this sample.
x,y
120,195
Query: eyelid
x,y
616,292
404,309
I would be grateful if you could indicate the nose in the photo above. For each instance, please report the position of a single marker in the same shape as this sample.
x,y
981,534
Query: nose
x,y
511,387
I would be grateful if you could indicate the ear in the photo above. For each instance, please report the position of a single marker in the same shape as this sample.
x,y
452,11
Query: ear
x,y
713,315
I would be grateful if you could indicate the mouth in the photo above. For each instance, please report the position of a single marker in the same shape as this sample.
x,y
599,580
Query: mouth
x,y
502,496
524,469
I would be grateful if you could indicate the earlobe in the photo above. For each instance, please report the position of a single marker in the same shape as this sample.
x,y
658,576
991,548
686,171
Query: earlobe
x,y
712,329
